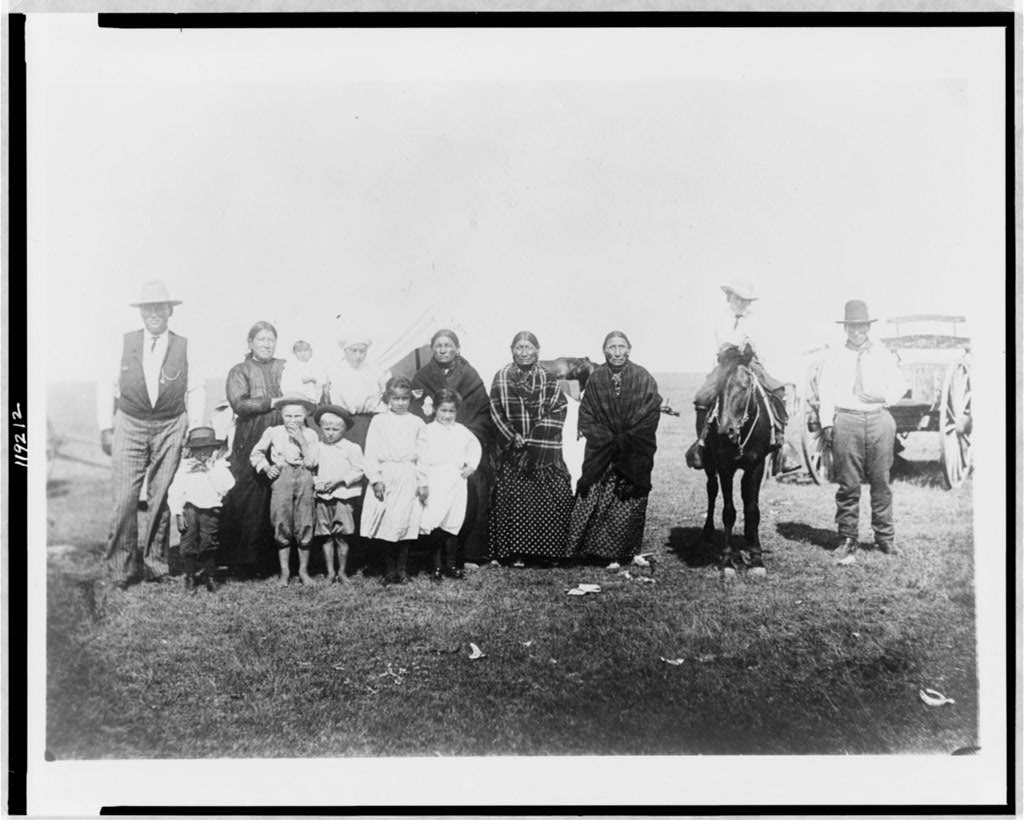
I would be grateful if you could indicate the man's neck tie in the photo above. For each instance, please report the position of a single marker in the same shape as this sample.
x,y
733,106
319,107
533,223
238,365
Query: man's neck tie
x,y
152,347
736,324
858,382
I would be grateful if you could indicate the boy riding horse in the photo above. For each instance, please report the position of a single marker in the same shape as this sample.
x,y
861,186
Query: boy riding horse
x,y
735,328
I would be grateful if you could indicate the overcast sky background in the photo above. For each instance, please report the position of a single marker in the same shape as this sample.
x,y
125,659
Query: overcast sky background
x,y
569,182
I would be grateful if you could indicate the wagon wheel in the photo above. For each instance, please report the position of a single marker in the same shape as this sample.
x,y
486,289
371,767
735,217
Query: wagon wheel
x,y
955,423
817,457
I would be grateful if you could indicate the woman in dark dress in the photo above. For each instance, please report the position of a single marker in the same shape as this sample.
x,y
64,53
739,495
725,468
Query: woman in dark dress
x,y
532,493
447,369
619,416
252,385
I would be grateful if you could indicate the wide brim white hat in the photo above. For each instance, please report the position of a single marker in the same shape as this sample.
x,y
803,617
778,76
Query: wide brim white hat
x,y
742,288
155,293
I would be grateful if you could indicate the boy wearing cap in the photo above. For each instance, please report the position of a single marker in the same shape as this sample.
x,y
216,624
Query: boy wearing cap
x,y
195,498
143,415
736,328
287,453
857,382
337,483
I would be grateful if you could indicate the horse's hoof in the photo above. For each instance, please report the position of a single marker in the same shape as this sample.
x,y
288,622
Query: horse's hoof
x,y
759,572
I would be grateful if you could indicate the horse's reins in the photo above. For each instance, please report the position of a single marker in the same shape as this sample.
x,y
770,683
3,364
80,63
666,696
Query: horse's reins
x,y
755,386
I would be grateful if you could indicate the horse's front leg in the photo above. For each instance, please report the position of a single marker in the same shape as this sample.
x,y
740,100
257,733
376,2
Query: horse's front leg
x,y
750,489
728,519
709,521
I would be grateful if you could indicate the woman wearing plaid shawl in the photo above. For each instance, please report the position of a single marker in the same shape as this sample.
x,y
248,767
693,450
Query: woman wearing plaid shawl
x,y
532,495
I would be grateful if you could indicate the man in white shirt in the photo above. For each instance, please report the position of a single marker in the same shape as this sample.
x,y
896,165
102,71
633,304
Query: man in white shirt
x,y
735,328
857,382
144,416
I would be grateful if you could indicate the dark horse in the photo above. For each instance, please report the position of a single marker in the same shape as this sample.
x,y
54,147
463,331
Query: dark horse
x,y
570,367
738,438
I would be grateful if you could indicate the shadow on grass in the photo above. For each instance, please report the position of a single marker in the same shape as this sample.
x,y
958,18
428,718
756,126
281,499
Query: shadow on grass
x,y
688,543
917,473
804,533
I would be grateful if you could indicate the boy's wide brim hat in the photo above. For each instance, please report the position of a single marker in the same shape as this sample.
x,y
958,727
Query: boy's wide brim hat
x,y
742,288
155,293
856,313
294,398
203,437
340,412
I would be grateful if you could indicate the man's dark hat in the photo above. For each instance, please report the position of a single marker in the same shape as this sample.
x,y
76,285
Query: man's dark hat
x,y
341,412
856,311
203,437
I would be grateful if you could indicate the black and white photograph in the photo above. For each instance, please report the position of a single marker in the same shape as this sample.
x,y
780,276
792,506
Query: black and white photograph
x,y
519,411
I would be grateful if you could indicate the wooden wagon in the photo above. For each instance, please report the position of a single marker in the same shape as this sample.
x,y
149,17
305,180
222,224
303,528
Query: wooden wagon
x,y
937,369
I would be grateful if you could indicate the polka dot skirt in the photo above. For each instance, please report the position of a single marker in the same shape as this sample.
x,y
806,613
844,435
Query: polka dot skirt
x,y
606,526
531,512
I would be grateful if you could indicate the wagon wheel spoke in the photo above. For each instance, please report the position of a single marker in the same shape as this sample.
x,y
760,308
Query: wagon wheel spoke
x,y
955,425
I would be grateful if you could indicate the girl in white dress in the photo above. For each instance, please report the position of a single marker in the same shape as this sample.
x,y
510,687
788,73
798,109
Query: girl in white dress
x,y
393,504
447,454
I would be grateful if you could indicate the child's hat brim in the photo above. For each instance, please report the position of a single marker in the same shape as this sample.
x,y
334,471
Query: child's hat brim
x,y
292,398
340,412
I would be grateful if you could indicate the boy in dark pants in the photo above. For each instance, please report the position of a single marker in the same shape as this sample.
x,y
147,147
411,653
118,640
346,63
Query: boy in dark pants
x,y
194,498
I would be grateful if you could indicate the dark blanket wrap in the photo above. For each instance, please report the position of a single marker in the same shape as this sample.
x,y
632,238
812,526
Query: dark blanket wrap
x,y
621,431
460,376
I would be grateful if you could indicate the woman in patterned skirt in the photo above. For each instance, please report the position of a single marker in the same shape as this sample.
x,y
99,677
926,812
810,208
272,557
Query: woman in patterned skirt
x,y
532,495
619,416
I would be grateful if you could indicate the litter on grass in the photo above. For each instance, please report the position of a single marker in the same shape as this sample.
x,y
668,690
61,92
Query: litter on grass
x,y
930,697
674,661
641,560
584,589
475,652
527,643
643,579
614,565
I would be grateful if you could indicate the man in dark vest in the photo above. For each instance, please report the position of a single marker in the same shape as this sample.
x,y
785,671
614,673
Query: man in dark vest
x,y
154,405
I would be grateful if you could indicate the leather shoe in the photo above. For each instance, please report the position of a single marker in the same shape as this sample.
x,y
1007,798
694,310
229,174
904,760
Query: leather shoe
x,y
209,583
436,576
457,574
846,552
886,547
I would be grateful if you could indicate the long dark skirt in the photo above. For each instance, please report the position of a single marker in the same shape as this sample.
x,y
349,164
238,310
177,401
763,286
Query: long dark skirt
x,y
608,520
247,538
530,516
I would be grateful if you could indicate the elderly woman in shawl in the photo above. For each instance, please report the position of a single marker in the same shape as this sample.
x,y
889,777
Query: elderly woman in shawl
x,y
532,495
356,385
447,369
619,417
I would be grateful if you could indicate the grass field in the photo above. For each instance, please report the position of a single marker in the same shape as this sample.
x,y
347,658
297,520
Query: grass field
x,y
813,659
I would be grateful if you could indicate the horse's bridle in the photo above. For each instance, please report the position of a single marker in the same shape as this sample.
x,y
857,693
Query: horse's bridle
x,y
751,393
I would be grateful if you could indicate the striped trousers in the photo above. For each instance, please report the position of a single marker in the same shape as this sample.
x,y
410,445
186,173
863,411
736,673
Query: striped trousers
x,y
142,448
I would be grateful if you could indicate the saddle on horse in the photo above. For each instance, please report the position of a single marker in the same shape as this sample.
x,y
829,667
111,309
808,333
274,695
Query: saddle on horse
x,y
706,399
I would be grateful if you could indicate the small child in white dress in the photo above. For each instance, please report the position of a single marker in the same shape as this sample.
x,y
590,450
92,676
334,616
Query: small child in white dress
x,y
447,454
302,375
393,503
